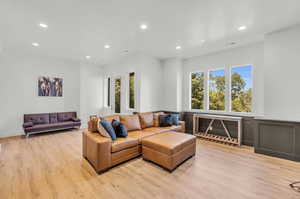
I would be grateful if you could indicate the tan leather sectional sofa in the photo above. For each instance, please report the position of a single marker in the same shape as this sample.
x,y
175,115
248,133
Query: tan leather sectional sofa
x,y
102,153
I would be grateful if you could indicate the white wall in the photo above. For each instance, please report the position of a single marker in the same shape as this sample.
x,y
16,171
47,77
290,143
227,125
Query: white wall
x,y
19,94
282,74
91,92
251,54
172,82
148,76
151,85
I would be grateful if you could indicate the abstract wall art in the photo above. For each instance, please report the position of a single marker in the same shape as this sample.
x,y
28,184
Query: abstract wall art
x,y
50,86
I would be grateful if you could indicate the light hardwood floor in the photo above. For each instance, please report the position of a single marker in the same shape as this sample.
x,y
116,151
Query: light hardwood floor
x,y
51,166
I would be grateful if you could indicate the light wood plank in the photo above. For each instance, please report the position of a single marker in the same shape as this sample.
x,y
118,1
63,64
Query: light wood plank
x,y
51,166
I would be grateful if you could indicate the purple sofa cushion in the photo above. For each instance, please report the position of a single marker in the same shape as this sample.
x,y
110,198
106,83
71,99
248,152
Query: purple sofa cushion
x,y
63,117
42,118
53,118
45,127
75,119
27,124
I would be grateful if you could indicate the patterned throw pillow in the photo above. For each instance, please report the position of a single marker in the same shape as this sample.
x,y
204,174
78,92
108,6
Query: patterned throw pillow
x,y
102,130
108,127
165,120
175,119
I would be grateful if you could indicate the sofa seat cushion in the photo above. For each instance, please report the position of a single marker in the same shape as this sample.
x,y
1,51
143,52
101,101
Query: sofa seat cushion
x,y
65,116
169,142
123,143
141,134
60,125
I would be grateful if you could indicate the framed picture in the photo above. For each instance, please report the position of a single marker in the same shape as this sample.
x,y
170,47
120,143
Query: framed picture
x,y
51,87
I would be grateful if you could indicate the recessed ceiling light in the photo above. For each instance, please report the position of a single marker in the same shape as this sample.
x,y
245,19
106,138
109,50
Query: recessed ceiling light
x,y
242,28
88,57
143,26
178,47
107,46
43,25
35,44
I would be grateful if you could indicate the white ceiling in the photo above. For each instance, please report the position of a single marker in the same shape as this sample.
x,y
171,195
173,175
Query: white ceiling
x,y
82,27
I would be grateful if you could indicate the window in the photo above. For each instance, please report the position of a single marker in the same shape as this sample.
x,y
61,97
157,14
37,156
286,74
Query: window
x,y
118,95
197,90
217,90
108,92
107,97
241,89
131,90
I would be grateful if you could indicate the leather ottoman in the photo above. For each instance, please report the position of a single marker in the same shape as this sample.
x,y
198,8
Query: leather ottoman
x,y
169,149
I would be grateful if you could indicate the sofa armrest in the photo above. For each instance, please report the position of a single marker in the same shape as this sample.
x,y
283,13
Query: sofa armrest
x,y
97,150
75,119
27,124
182,124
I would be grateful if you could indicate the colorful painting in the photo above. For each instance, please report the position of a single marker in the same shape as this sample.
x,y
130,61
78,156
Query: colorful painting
x,y
52,87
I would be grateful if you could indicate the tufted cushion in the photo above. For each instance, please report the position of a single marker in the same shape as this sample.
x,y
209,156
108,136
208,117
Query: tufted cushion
x,y
64,117
131,122
146,120
37,118
53,118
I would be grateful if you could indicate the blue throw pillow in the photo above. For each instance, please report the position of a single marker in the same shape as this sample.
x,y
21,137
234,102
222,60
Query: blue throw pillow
x,y
119,128
165,120
108,127
175,119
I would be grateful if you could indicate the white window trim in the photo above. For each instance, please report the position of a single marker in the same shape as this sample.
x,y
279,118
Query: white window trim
x,y
228,101
105,101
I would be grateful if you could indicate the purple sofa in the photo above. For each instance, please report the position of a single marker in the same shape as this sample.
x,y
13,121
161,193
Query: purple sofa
x,y
45,122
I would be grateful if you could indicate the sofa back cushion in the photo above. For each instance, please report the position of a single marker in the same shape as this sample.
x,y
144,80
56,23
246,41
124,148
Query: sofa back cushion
x,y
110,118
66,116
131,122
146,120
42,118
156,118
53,118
